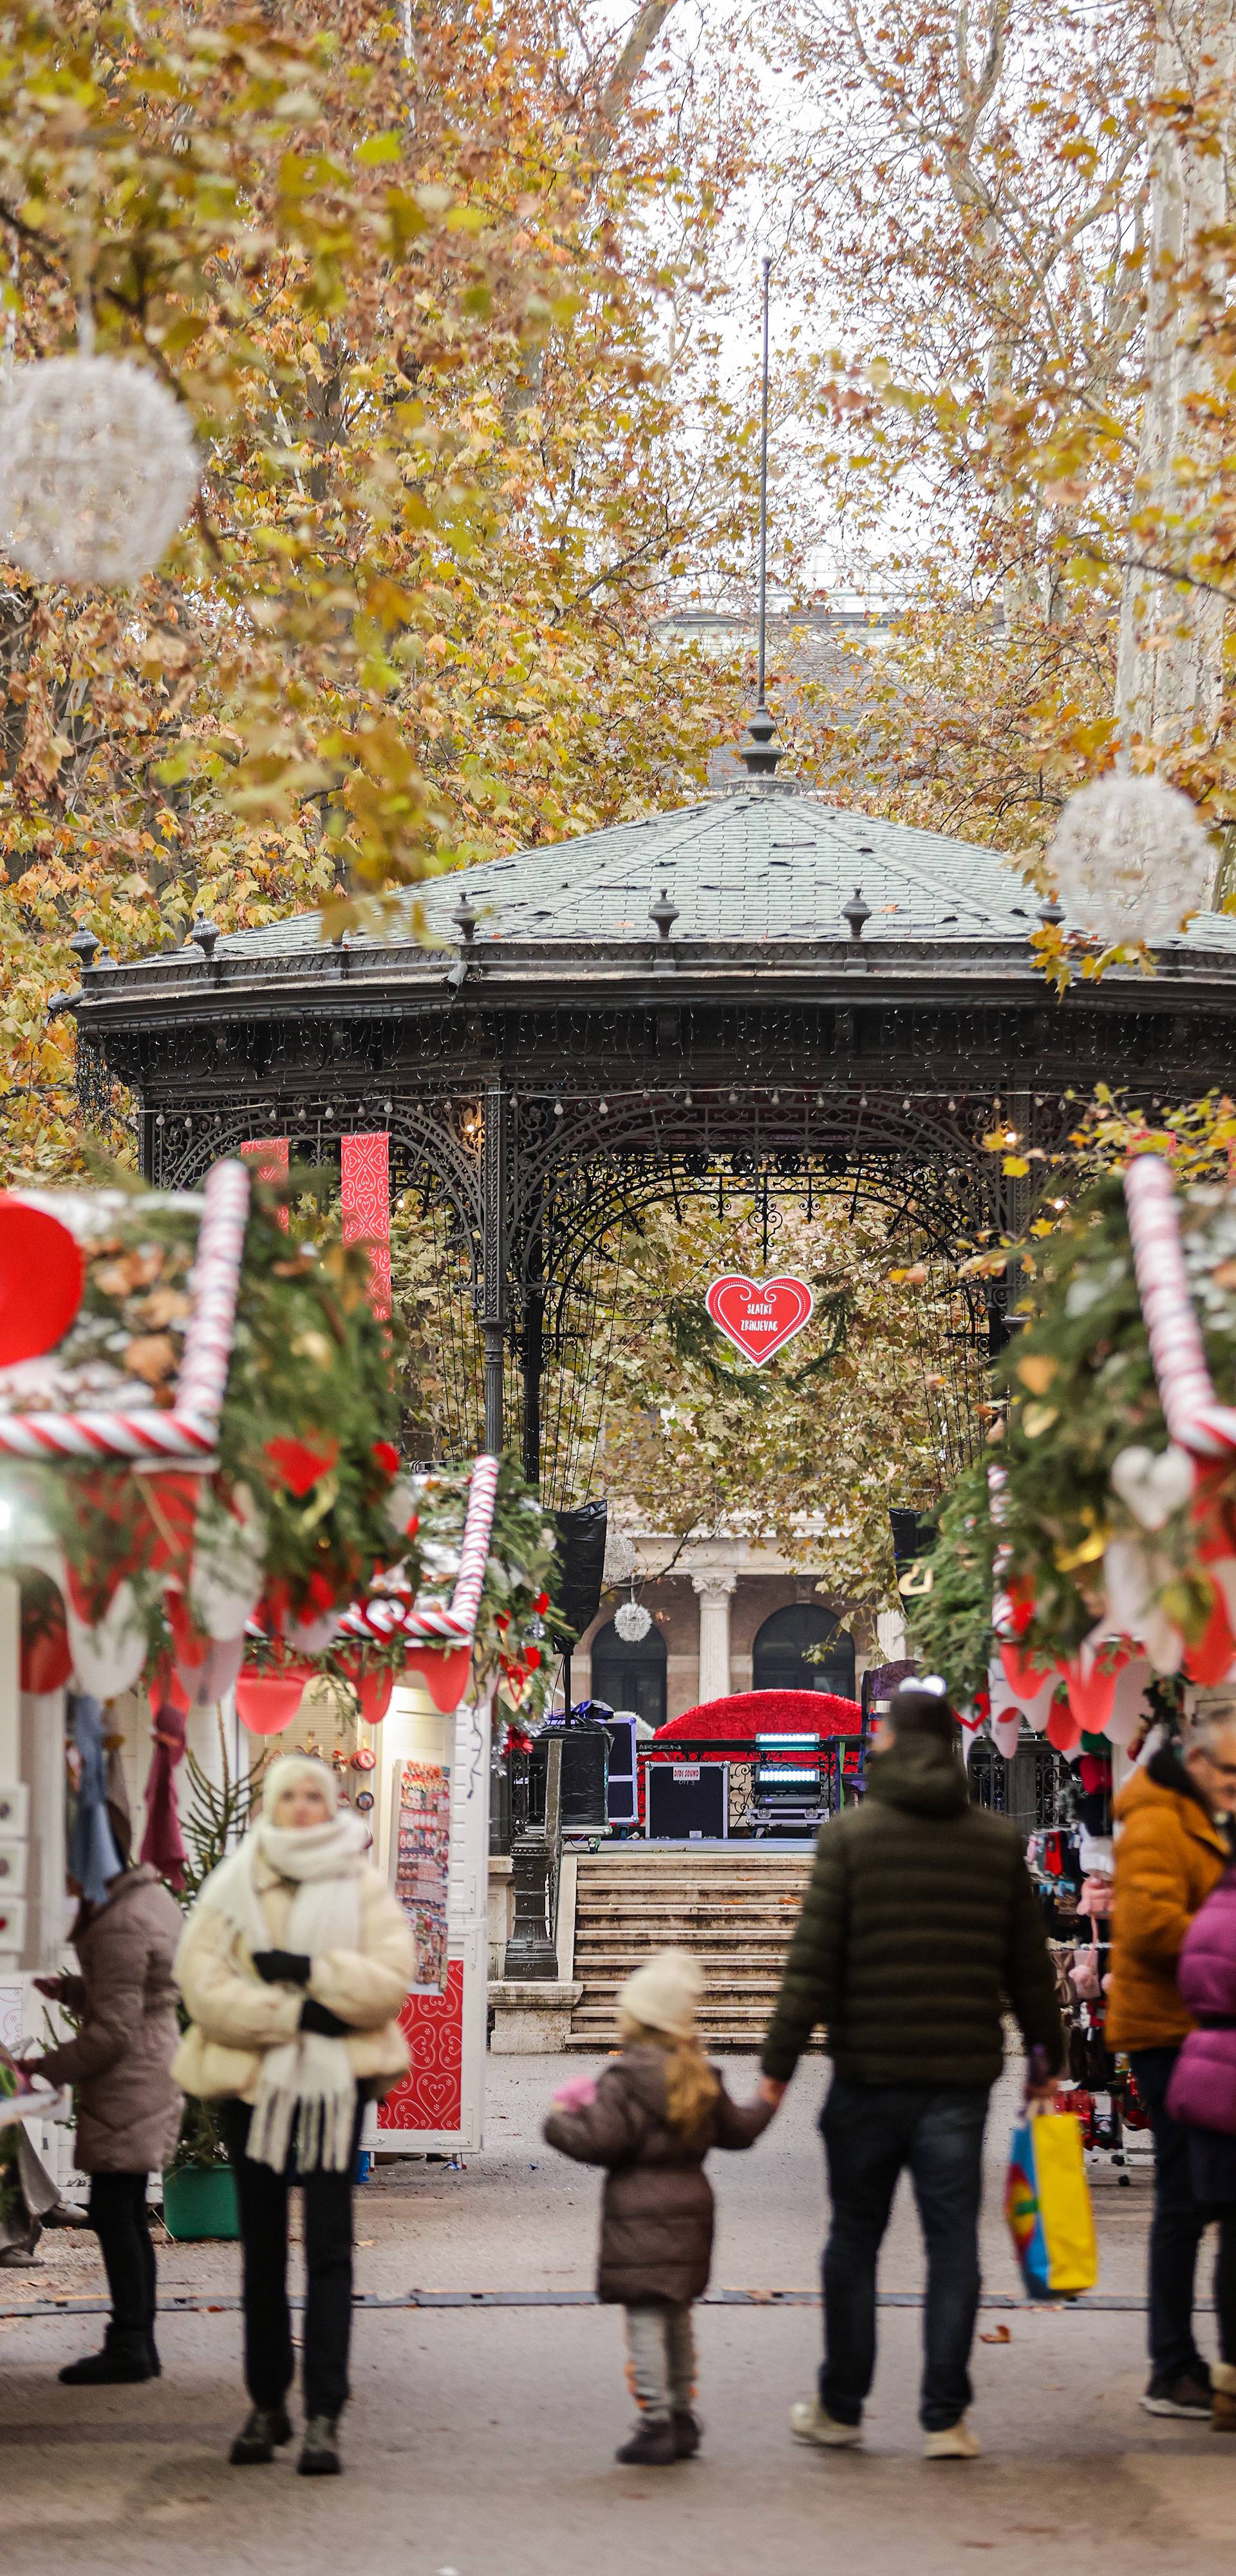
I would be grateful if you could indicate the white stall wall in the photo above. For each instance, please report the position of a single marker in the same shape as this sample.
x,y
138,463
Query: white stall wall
x,y
413,1730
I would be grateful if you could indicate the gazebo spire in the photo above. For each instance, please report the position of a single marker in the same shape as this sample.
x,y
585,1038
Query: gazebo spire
x,y
759,750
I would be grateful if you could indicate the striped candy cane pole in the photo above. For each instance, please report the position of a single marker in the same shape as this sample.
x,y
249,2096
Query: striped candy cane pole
x,y
459,1621
190,1430
216,1281
1195,1420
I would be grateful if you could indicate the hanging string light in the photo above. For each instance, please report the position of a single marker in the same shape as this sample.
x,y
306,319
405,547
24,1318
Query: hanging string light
x,y
1131,859
97,468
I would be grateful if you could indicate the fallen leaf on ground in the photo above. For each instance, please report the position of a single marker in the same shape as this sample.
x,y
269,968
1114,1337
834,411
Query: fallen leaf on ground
x,y
999,2334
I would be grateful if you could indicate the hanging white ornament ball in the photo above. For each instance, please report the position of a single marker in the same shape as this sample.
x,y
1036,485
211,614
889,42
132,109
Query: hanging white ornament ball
x,y
97,470
632,1622
1131,859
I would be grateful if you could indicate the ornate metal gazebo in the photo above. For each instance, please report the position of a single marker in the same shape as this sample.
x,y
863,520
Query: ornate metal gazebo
x,y
753,994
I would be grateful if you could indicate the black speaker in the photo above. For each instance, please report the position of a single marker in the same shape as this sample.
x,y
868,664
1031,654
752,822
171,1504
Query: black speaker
x,y
913,1534
580,1564
584,1776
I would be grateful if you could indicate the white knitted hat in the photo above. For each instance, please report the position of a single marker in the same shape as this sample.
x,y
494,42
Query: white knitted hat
x,y
664,1994
284,1772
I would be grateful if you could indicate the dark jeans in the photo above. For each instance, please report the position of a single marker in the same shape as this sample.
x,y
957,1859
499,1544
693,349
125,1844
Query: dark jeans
x,y
263,2197
117,2213
871,2132
1177,2226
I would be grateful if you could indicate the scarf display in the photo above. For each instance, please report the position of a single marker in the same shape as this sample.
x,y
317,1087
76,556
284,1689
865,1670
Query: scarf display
x,y
306,2092
92,1854
163,1843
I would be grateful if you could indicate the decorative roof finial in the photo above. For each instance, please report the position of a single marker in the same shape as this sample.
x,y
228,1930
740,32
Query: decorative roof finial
x,y
857,913
664,913
759,750
465,920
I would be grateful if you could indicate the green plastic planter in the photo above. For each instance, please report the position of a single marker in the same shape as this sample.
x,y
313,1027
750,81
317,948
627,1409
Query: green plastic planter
x,y
200,2201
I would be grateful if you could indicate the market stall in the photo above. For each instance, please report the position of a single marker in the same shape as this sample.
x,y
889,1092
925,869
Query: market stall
x,y
201,1501
1082,1587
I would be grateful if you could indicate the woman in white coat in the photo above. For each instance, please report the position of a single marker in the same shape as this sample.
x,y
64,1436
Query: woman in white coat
x,y
293,1966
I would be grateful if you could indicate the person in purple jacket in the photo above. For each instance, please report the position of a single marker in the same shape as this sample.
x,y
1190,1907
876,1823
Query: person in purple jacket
x,y
1203,2097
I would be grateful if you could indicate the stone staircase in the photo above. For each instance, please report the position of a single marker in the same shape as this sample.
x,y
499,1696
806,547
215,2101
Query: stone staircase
x,y
734,1907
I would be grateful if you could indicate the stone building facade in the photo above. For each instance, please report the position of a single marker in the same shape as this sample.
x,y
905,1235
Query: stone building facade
x,y
728,1615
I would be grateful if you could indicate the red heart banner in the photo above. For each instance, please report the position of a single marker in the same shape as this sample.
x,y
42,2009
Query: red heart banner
x,y
759,1316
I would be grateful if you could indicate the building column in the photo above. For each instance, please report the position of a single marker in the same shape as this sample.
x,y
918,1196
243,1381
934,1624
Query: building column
x,y
714,1597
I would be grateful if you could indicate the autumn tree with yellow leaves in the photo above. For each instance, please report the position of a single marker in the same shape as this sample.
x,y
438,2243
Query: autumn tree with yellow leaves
x,y
1022,223
415,275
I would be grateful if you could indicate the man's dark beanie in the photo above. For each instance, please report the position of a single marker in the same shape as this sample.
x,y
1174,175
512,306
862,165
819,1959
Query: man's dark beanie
x,y
920,1712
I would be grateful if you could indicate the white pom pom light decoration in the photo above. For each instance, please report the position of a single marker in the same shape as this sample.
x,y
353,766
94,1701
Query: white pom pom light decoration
x,y
1131,859
632,1622
619,1556
97,470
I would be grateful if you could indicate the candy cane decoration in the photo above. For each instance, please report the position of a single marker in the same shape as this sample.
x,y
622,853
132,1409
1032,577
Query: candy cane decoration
x,y
460,1620
383,1612
1195,1420
189,1431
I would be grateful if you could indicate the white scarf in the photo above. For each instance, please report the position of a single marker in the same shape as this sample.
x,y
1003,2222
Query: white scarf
x,y
306,2080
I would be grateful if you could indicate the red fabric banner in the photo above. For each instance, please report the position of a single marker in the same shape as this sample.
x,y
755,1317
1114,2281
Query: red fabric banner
x,y
430,2096
366,1199
269,1157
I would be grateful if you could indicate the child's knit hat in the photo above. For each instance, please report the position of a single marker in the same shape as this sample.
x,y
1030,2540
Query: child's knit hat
x,y
664,1994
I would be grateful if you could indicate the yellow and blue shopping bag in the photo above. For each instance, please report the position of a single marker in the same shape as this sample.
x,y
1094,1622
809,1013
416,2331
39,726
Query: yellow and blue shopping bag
x,y
1047,2204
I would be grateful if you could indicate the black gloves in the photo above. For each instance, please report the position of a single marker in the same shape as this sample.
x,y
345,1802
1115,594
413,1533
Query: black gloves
x,y
292,1968
283,1967
314,2016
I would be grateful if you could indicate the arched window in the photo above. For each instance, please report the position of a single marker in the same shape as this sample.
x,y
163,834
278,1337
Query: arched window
x,y
630,1676
778,1659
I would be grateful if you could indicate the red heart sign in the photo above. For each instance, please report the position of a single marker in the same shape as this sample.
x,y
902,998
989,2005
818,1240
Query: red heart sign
x,y
759,1316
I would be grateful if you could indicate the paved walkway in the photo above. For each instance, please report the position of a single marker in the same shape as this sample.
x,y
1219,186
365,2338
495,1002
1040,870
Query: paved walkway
x,y
480,2442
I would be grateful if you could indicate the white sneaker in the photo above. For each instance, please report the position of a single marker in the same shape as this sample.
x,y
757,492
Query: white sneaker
x,y
957,2442
810,2422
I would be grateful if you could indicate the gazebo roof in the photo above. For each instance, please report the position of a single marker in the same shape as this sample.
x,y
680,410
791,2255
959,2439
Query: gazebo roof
x,y
752,865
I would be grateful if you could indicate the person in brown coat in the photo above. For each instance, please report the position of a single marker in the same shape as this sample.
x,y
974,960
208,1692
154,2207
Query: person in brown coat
x,y
651,2119
1172,1846
128,2108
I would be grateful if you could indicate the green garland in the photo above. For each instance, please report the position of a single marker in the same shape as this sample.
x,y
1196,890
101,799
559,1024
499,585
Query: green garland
x,y
307,1460
516,1625
947,1592
1081,1391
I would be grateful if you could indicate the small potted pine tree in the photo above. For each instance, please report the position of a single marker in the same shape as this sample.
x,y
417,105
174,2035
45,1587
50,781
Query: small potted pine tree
x,y
199,2186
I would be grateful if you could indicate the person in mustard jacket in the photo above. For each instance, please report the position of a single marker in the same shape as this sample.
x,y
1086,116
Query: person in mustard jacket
x,y
1172,1847
293,1966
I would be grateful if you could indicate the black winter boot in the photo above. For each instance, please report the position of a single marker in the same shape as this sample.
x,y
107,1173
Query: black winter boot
x,y
319,2456
260,2436
652,2445
686,2432
125,2358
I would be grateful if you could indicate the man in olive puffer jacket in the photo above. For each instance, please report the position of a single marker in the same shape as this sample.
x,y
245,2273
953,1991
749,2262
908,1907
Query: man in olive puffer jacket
x,y
919,1927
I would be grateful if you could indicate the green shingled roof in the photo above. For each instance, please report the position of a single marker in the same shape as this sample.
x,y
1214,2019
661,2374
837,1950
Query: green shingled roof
x,y
751,865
